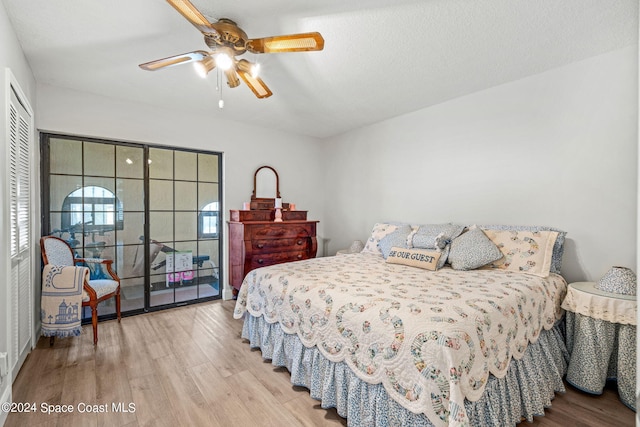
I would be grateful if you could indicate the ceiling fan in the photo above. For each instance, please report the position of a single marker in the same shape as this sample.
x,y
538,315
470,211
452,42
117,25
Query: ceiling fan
x,y
227,41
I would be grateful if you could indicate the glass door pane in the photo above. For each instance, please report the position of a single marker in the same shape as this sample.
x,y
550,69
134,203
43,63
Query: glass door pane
x,y
184,220
209,237
130,237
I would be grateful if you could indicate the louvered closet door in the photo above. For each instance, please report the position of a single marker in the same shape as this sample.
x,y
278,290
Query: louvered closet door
x,y
19,179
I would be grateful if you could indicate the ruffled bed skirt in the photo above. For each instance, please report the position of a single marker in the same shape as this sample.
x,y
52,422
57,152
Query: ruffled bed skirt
x,y
525,391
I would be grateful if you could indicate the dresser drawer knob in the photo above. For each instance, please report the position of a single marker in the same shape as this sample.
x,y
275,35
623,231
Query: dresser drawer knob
x,y
299,242
260,246
299,256
260,261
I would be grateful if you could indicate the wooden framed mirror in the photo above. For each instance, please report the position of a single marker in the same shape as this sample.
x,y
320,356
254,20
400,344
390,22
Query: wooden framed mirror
x,y
266,188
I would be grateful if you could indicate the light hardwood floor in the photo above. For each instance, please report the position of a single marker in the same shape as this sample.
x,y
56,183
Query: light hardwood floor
x,y
189,366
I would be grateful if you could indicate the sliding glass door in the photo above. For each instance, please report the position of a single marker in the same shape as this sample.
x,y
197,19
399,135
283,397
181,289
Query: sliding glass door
x,y
154,211
183,225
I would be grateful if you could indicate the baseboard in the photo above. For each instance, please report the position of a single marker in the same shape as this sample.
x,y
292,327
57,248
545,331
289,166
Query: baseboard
x,y
5,398
227,293
36,335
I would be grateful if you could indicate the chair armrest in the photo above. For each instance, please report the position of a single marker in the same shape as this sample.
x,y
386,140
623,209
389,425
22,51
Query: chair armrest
x,y
89,290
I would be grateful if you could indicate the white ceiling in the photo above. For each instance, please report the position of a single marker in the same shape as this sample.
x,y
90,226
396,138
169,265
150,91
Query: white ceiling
x,y
381,58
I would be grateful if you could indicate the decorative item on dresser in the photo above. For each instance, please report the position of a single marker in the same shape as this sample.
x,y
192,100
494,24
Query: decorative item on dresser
x,y
267,234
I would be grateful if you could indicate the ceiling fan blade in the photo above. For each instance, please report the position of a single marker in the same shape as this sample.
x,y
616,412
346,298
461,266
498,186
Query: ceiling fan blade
x,y
193,15
289,43
256,84
198,55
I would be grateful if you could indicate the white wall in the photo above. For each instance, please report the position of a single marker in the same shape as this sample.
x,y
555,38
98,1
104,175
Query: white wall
x,y
558,149
245,147
11,57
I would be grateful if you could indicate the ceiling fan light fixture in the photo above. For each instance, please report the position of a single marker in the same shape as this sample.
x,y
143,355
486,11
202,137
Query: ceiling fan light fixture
x,y
203,67
255,71
248,67
223,61
232,78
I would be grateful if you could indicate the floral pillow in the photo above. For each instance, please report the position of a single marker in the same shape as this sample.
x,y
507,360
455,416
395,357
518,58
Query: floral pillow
x,y
396,238
472,250
379,230
523,251
438,237
426,234
558,247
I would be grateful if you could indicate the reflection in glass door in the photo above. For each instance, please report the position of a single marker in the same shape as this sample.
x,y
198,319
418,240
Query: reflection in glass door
x,y
184,243
154,211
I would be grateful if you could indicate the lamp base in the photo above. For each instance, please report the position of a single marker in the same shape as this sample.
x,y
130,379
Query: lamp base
x,y
278,215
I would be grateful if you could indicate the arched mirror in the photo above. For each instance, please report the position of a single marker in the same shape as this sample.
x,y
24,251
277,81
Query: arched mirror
x,y
266,188
265,183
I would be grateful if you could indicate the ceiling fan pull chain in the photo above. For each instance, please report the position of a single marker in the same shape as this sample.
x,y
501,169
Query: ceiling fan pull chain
x,y
220,100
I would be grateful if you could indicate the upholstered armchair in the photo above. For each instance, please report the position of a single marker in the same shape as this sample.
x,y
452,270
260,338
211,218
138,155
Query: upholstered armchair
x,y
57,252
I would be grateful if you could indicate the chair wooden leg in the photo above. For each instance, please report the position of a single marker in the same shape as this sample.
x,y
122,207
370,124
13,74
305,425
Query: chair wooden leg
x,y
94,322
51,340
118,306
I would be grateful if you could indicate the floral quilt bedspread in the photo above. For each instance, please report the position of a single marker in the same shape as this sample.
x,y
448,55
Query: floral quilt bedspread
x,y
430,337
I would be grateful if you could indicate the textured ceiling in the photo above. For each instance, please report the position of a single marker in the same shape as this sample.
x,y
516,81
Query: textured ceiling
x,y
381,58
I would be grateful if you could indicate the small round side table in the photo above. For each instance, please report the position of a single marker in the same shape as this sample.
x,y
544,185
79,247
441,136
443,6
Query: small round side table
x,y
601,338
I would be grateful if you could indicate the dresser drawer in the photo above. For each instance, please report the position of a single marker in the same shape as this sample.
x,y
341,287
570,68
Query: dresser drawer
x,y
255,243
267,215
271,245
275,231
262,260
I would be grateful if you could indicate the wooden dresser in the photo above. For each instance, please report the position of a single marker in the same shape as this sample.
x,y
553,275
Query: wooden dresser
x,y
255,240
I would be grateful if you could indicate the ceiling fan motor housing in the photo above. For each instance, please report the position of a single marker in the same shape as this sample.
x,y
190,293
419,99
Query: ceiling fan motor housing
x,y
229,35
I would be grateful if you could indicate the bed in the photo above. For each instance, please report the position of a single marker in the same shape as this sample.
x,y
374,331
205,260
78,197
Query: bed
x,y
388,343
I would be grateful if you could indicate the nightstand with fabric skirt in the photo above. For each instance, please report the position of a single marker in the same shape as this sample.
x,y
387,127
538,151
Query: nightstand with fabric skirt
x,y
601,338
